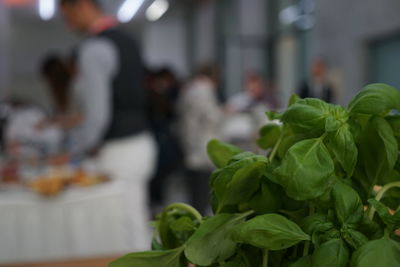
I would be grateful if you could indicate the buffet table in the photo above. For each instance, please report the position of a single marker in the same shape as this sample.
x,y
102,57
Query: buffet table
x,y
78,223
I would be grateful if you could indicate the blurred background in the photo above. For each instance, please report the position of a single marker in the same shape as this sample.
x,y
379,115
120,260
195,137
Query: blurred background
x,y
250,54
358,40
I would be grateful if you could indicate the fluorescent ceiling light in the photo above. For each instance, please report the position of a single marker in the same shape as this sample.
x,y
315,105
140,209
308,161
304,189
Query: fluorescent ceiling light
x,y
128,10
289,15
47,9
157,9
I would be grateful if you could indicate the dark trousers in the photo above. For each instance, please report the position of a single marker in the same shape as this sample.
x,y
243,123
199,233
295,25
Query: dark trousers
x,y
199,193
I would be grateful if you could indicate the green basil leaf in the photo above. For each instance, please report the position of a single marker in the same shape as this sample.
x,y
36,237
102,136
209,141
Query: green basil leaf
x,y
293,99
235,262
273,115
316,223
394,122
370,228
323,202
348,205
270,231
167,258
381,252
354,238
309,113
156,245
183,224
220,153
268,198
332,124
249,156
269,135
386,134
171,224
387,218
375,99
211,243
319,228
252,255
321,238
391,198
396,219
242,186
183,227
338,116
333,253
377,149
306,170
220,179
344,148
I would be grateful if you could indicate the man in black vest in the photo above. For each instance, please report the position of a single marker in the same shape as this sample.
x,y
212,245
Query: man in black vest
x,y
109,87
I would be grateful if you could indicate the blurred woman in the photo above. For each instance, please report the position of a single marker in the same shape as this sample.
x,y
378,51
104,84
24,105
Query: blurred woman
x,y
200,117
30,132
163,90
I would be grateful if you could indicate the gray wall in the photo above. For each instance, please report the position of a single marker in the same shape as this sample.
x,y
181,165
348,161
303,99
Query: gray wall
x,y
204,33
164,42
24,41
30,40
342,30
244,45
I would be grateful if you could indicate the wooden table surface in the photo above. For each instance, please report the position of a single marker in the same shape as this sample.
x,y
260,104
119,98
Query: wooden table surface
x,y
101,262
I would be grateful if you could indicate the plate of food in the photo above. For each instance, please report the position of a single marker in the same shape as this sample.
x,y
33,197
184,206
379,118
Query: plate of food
x,y
56,181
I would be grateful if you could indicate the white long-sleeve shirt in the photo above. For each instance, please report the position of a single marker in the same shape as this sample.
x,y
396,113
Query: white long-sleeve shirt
x,y
200,119
97,65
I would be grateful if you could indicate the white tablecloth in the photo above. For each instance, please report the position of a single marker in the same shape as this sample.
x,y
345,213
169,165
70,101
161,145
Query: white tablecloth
x,y
79,223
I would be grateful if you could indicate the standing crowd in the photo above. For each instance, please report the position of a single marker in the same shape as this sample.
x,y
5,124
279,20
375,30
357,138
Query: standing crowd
x,y
140,125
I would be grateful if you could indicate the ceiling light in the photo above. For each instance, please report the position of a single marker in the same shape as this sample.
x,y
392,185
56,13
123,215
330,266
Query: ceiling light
x,y
128,10
157,9
46,9
289,15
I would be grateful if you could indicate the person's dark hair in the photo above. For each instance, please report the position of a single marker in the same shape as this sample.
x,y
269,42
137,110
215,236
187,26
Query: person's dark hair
x,y
56,72
63,2
54,66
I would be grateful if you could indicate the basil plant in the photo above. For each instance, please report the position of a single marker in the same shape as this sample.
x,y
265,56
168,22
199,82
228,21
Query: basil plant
x,y
326,193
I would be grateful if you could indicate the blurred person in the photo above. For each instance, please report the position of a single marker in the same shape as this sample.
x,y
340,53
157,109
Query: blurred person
x,y
4,114
59,74
23,139
256,92
317,85
246,111
31,132
55,71
109,84
200,118
163,89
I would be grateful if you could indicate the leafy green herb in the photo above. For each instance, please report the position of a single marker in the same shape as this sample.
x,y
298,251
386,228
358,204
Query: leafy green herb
x,y
306,170
382,252
269,135
270,231
212,242
348,205
331,254
327,193
220,153
168,258
376,99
